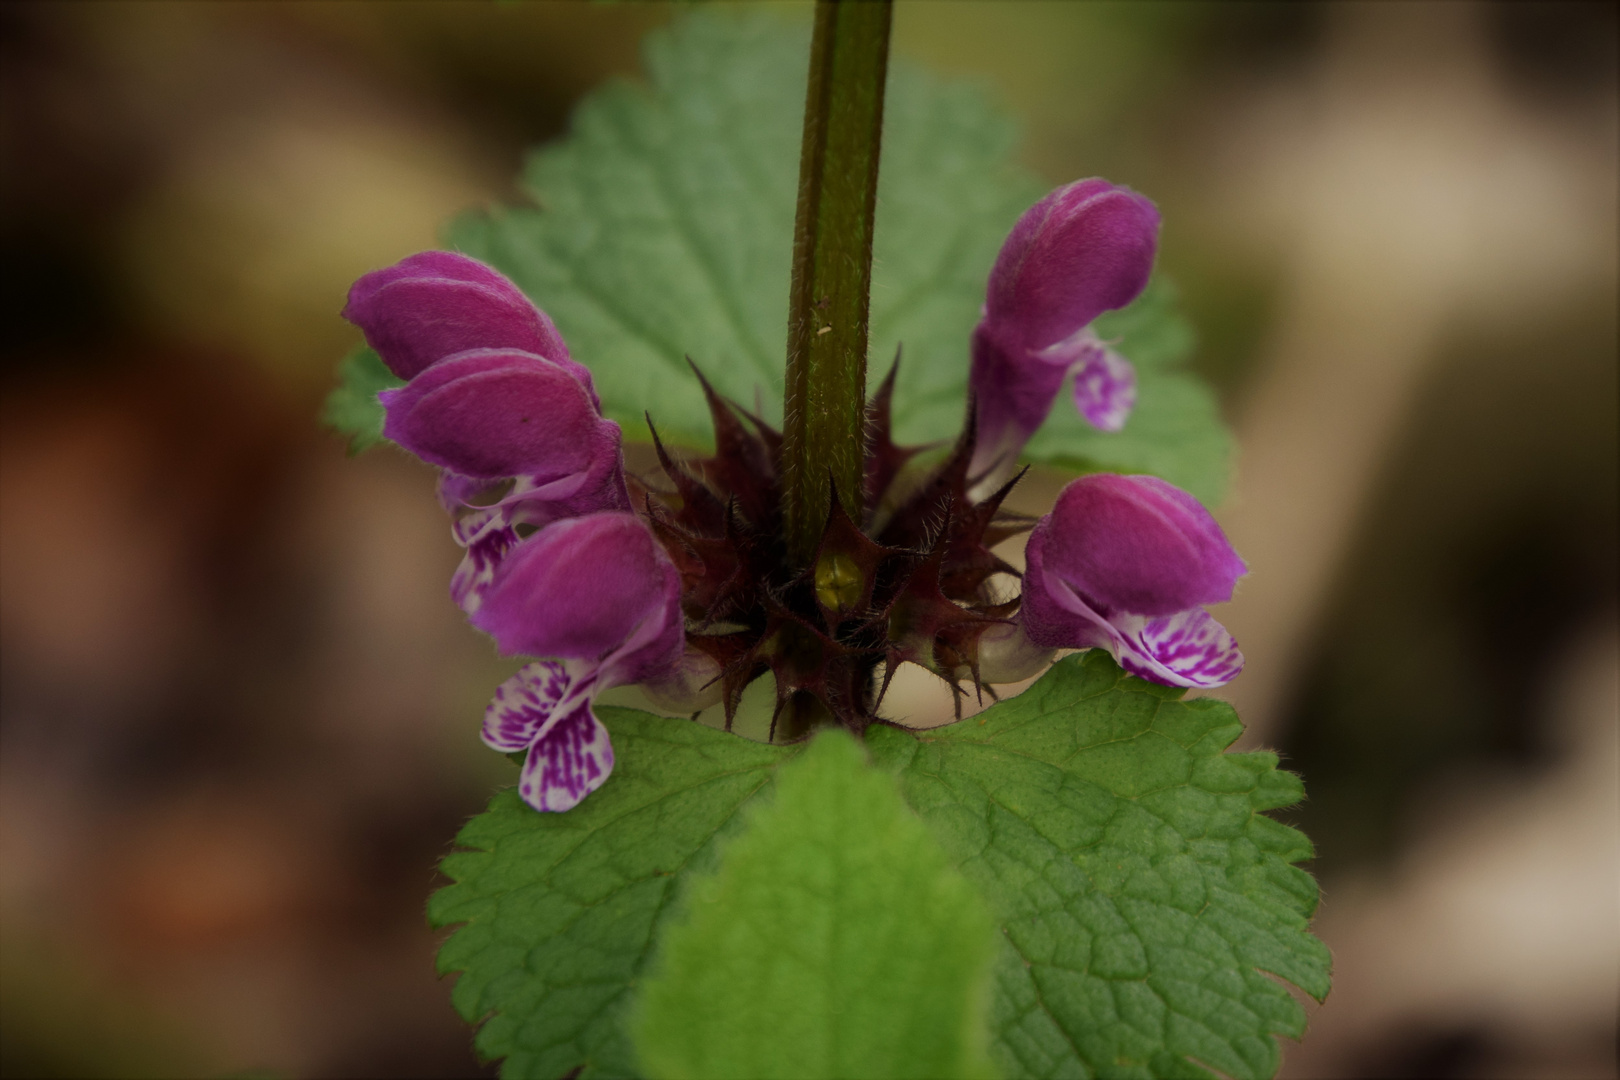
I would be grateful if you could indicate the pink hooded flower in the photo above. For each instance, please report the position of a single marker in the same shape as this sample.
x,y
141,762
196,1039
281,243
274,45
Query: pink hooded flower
x,y
521,444
598,598
1085,249
1126,563
493,399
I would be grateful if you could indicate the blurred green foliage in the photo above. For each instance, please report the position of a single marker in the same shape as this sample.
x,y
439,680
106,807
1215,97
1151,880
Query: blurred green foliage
x,y
352,407
835,940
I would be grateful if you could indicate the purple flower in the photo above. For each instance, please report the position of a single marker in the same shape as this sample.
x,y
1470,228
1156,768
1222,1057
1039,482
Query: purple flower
x,y
521,444
596,596
493,399
1125,563
1085,249
437,303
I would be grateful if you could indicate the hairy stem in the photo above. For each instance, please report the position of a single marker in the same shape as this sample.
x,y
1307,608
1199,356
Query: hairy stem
x,y
824,415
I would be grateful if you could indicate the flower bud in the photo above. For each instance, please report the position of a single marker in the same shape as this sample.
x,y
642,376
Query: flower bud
x,y
438,303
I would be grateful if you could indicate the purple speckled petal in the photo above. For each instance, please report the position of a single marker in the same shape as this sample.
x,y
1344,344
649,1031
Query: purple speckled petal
x,y
598,588
438,303
1188,648
546,709
1114,545
570,761
488,538
526,705
1085,249
1104,388
499,412
1136,544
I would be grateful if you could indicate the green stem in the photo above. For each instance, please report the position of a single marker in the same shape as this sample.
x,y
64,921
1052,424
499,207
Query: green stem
x,y
824,415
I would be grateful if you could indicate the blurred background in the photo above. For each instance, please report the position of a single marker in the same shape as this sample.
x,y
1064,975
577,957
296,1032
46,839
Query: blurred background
x,y
238,712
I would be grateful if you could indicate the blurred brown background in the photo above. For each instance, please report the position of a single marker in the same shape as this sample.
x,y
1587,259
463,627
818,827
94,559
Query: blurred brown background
x,y
239,712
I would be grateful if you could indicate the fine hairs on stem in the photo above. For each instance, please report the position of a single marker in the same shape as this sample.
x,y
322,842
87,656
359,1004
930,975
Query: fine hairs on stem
x,y
823,446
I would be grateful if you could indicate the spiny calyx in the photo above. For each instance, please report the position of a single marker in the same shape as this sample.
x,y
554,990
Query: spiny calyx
x,y
910,583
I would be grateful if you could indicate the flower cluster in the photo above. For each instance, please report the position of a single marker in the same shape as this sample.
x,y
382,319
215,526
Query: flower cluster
x,y
681,582
556,566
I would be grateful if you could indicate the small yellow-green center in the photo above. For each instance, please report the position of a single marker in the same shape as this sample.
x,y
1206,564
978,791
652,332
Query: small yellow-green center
x,y
838,582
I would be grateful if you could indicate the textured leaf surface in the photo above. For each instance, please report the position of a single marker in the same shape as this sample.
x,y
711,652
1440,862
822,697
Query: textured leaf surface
x,y
1141,894
352,407
561,910
664,227
835,940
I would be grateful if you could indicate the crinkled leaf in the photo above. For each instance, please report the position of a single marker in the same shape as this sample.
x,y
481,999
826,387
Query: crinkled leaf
x,y
1144,899
835,940
665,222
352,407
561,911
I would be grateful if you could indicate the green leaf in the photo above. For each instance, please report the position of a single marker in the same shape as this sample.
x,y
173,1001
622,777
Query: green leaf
x,y
1144,899
834,941
352,408
562,910
665,224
